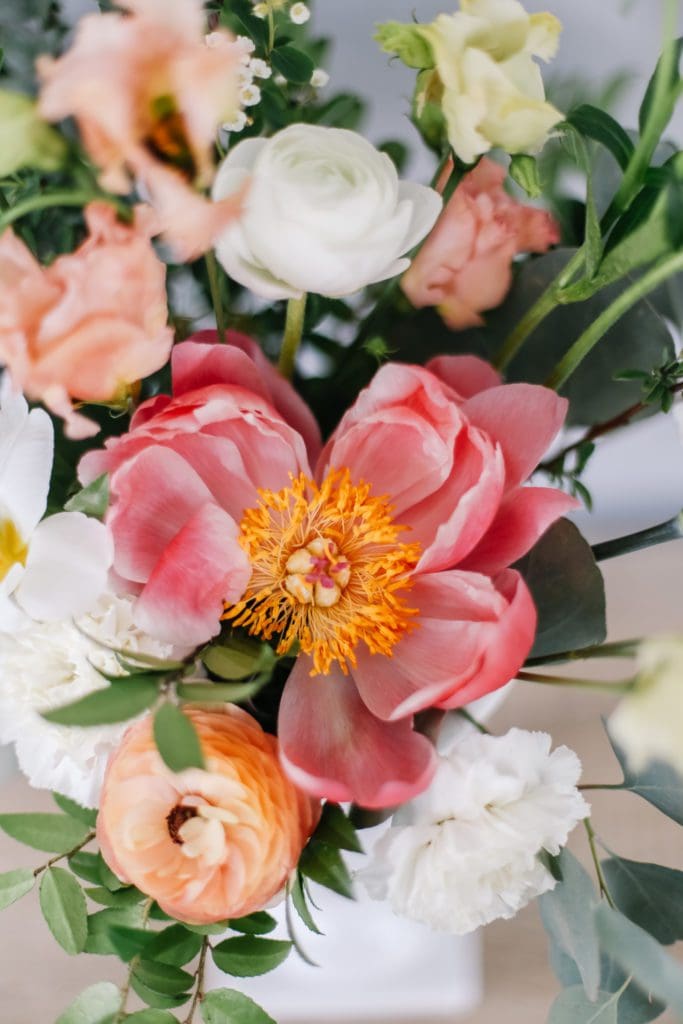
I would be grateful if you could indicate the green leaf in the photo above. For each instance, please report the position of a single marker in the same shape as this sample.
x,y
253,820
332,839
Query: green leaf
x,y
92,500
220,693
524,171
99,1004
658,783
259,923
116,703
648,99
573,142
127,897
226,1006
129,942
151,1017
101,923
86,866
85,815
650,895
14,885
641,956
323,863
209,929
164,978
296,66
107,876
573,1007
297,892
158,1000
248,956
335,829
567,915
25,139
598,125
568,591
239,659
62,902
174,945
407,42
176,739
54,833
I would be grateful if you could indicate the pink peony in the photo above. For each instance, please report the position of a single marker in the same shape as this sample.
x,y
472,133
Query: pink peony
x,y
387,563
92,323
148,94
465,266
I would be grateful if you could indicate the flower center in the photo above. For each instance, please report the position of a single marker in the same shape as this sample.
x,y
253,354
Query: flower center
x,y
12,547
328,571
167,137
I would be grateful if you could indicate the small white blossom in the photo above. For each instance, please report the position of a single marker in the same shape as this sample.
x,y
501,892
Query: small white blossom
x,y
238,125
245,75
261,10
249,95
280,80
246,45
259,68
319,78
299,13
466,851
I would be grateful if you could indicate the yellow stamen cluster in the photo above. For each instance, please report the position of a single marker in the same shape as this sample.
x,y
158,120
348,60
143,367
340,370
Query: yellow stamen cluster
x,y
12,547
328,571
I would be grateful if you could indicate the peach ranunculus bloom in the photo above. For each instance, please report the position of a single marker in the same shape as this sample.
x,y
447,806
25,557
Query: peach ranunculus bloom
x,y
465,266
386,556
148,94
89,325
206,844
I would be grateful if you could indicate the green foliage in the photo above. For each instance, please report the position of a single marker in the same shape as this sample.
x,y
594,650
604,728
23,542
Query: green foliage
x,y
158,1000
658,783
86,815
248,956
650,895
62,902
524,171
407,42
163,978
124,699
226,1006
102,923
335,829
151,1017
176,739
567,915
573,1006
127,897
593,245
174,945
14,885
258,923
54,833
297,894
93,500
293,64
594,123
239,658
673,80
25,139
97,1005
323,863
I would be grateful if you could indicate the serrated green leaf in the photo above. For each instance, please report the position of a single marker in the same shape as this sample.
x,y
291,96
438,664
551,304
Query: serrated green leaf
x,y
92,500
249,956
100,924
128,942
62,902
297,894
123,898
227,1006
151,1017
107,877
53,833
650,895
116,703
323,863
259,923
176,739
335,829
85,815
294,65
209,929
86,866
156,999
573,1007
174,945
164,978
99,1004
567,915
658,783
14,885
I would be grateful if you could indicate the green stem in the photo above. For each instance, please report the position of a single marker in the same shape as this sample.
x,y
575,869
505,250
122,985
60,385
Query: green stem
x,y
271,31
464,713
213,274
294,329
572,359
617,649
672,529
199,989
599,685
63,856
600,785
604,891
125,991
43,202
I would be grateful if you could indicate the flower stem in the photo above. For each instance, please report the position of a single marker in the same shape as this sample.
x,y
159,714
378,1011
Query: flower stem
x,y
294,329
464,713
672,529
604,891
572,359
199,988
599,685
601,785
215,289
62,856
616,649
48,199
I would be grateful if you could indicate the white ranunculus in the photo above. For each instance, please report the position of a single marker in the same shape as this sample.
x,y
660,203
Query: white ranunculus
x,y
49,569
648,722
467,850
325,212
52,664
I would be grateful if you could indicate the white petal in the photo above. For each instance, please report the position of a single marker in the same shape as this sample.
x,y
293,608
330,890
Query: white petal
x,y
426,207
67,566
26,451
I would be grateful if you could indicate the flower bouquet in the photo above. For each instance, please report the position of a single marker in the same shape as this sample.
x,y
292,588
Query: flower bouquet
x,y
287,446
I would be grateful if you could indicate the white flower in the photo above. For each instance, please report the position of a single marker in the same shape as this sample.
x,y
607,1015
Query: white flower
x,y
466,851
249,95
280,80
299,13
52,664
49,569
319,78
648,722
259,68
238,125
325,212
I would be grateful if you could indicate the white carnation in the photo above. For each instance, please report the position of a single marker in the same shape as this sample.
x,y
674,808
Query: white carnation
x,y
466,851
52,664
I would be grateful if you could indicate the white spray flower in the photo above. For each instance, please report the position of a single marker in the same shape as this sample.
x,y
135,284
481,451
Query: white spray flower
x,y
259,68
319,78
249,95
299,13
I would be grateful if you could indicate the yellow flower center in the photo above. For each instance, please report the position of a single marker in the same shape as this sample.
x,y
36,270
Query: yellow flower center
x,y
12,547
328,571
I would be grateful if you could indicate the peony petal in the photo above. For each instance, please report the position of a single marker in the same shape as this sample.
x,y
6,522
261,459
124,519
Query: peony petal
x,y
466,375
202,568
332,746
523,419
66,568
523,517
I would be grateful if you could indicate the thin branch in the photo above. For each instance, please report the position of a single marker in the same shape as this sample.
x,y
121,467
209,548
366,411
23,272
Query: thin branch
x,y
60,856
199,988
604,890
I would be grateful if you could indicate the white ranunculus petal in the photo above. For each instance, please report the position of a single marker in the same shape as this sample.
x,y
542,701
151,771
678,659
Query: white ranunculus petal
x,y
425,205
66,570
26,451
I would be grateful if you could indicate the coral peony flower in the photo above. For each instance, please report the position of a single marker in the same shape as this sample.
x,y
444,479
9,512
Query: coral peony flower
x,y
89,325
148,95
386,558
207,845
465,266
466,852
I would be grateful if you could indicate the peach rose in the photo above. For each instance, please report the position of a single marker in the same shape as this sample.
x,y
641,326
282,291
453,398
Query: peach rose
x,y
148,94
89,325
465,266
207,845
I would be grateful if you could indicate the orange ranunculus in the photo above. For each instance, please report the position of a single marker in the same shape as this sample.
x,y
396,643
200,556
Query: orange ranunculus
x,y
89,325
148,95
207,845
465,266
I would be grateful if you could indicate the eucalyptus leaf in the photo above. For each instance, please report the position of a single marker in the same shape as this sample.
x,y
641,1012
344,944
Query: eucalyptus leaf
x,y
54,833
99,1004
650,895
248,956
176,739
14,885
567,915
227,1006
658,783
573,1007
62,902
116,703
